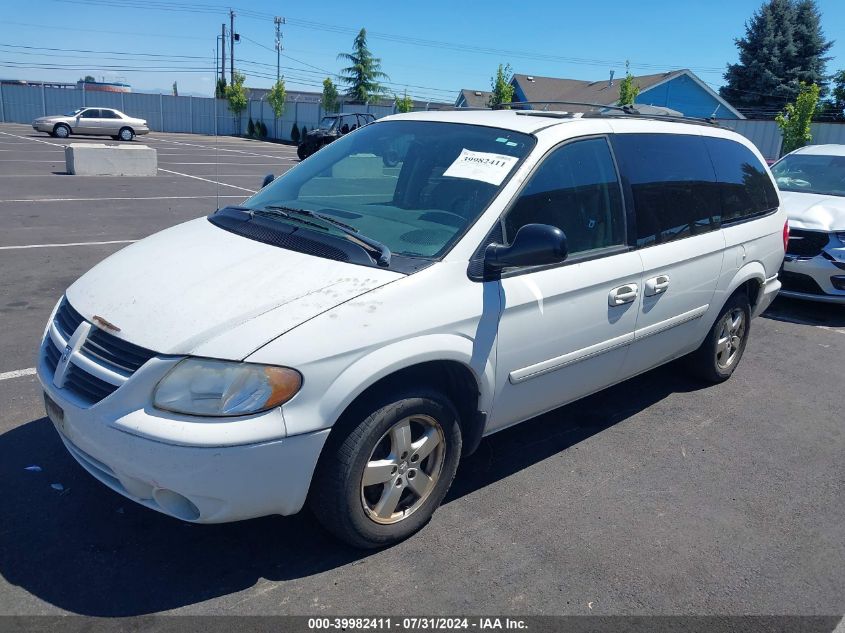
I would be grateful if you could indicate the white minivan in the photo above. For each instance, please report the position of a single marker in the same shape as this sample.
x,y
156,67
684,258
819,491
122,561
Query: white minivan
x,y
352,329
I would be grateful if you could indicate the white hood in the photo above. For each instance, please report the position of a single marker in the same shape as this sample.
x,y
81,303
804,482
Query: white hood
x,y
813,211
196,288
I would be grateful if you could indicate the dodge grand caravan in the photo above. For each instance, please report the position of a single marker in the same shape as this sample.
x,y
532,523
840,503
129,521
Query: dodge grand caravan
x,y
347,333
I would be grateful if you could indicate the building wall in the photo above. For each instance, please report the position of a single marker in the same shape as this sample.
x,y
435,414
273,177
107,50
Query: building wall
x,y
686,96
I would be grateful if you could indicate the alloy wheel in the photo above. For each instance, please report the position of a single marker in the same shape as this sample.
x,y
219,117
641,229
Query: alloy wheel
x,y
403,469
730,338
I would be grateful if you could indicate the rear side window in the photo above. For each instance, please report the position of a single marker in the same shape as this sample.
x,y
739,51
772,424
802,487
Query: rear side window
x,y
673,185
108,114
577,190
744,186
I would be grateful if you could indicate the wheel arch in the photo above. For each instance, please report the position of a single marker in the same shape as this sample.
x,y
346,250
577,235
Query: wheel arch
x,y
446,368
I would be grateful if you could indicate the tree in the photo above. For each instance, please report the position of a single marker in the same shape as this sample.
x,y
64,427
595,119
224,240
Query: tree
x,y
627,90
796,118
175,90
363,75
262,129
220,88
294,134
835,106
783,46
250,128
500,87
236,95
329,99
88,79
403,104
276,98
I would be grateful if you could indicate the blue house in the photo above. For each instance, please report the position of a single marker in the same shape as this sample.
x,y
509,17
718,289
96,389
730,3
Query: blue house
x,y
679,90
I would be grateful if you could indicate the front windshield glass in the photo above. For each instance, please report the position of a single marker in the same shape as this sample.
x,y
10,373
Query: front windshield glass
x,y
327,122
74,112
414,186
811,173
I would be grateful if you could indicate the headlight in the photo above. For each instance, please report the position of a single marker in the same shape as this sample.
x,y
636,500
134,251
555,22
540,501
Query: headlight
x,y
200,386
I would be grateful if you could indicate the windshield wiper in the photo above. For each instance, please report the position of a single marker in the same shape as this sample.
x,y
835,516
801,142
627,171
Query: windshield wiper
x,y
299,215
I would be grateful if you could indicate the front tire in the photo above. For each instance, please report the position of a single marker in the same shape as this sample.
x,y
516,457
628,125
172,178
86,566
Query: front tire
x,y
718,356
380,481
126,134
61,131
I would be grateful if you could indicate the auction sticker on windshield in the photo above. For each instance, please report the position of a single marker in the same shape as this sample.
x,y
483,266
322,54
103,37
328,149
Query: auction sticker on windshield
x,y
484,166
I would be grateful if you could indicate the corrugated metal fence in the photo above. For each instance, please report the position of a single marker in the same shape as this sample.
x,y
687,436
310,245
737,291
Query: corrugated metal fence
x,y
166,113
204,115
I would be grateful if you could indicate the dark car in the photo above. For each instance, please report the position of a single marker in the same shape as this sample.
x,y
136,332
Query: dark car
x,y
331,128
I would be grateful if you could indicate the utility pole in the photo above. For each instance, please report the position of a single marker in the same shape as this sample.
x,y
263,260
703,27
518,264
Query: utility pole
x,y
223,51
278,22
232,46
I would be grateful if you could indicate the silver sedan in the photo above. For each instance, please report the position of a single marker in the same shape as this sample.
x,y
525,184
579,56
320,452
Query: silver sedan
x,y
92,121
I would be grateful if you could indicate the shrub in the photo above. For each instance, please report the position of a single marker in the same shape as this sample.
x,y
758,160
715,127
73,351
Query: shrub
x,y
262,129
294,134
250,128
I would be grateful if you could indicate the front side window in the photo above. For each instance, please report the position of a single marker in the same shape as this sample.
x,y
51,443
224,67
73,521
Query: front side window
x,y
415,186
577,190
744,186
811,173
91,114
673,185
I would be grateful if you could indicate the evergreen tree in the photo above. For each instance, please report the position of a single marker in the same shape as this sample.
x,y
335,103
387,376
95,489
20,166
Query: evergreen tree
x,y
363,75
294,134
783,46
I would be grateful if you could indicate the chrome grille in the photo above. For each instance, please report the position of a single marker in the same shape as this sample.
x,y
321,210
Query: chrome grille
x,y
98,366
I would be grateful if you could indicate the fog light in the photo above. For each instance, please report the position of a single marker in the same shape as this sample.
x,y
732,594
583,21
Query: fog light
x,y
838,282
175,504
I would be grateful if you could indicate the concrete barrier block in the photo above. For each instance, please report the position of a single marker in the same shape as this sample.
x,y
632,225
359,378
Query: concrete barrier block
x,y
99,159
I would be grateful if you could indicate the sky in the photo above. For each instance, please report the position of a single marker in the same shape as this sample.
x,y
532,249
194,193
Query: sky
x,y
431,49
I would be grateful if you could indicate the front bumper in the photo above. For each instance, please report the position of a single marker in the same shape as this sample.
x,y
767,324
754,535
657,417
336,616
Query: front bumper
x,y
43,127
810,278
213,484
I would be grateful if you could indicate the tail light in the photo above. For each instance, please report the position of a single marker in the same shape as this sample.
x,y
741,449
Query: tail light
x,y
785,235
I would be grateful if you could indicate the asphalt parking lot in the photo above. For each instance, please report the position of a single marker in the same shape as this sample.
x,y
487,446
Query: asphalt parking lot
x,y
658,496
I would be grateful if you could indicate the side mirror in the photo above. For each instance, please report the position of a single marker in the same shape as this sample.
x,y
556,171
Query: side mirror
x,y
267,180
533,245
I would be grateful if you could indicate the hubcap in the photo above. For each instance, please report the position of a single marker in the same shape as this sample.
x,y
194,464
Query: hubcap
x,y
403,469
730,338
126,135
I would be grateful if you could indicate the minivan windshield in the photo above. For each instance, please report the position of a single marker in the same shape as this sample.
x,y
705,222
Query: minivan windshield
x,y
414,186
811,173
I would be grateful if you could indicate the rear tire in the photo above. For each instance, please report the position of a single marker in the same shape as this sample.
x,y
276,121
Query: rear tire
x,y
126,134
301,152
407,448
61,131
718,356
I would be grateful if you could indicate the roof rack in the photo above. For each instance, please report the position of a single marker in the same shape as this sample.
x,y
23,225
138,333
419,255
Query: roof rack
x,y
625,111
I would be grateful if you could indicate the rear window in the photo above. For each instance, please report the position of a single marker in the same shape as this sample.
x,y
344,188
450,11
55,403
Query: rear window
x,y
744,186
673,184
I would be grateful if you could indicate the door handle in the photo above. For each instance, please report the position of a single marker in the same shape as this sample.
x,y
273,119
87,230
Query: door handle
x,y
656,285
623,294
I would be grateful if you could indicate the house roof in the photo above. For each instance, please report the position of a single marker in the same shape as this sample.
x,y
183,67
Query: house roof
x,y
605,92
474,98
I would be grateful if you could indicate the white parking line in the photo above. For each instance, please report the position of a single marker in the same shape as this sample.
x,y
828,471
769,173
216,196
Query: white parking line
x,y
220,149
131,197
25,246
29,371
222,184
34,140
